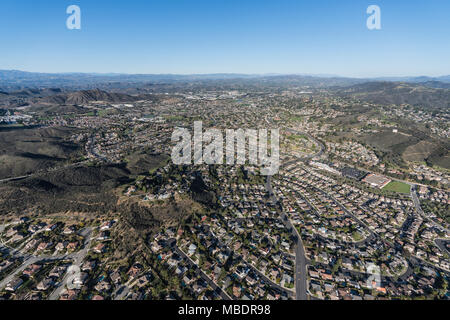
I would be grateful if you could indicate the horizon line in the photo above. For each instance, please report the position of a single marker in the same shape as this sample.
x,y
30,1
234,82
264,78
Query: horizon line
x,y
320,75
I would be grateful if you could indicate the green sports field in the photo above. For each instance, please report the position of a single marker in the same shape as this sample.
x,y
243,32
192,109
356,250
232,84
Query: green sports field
x,y
397,186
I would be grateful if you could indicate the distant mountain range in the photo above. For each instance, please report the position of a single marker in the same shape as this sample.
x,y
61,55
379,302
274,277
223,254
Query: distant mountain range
x,y
13,80
422,79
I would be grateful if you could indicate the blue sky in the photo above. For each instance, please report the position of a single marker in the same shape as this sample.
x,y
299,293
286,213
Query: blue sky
x,y
228,36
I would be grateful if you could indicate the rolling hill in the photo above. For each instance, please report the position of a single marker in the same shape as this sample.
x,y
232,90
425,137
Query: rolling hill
x,y
389,93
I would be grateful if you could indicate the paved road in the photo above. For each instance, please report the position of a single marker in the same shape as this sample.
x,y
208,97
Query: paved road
x,y
91,146
78,258
11,276
349,213
121,292
15,178
270,282
419,210
300,257
28,261
300,271
308,157
336,201
265,278
2,228
441,244
216,288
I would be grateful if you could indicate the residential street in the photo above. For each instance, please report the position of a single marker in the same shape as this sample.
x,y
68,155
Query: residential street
x,y
300,258
419,210
78,258
216,288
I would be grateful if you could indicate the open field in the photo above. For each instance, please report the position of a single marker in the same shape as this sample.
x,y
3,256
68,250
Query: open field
x,y
419,152
399,187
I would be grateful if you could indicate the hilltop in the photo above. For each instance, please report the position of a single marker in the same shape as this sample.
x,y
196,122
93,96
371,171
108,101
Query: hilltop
x,y
389,93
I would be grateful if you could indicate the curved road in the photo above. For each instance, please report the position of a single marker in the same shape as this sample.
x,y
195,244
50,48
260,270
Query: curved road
x,y
300,256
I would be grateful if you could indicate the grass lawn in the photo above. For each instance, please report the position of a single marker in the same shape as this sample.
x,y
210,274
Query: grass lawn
x,y
398,186
357,236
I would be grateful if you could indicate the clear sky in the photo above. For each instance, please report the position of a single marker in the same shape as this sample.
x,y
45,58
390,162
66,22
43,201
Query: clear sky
x,y
227,36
